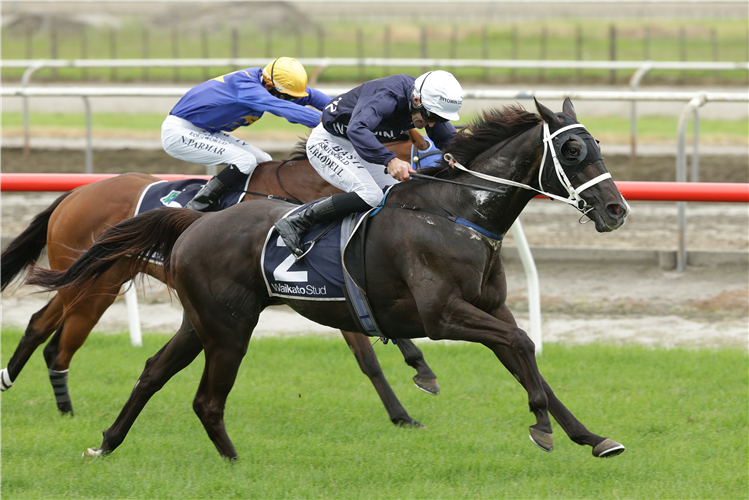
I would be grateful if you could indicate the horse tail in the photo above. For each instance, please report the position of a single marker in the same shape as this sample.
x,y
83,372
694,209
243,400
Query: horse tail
x,y
147,237
28,246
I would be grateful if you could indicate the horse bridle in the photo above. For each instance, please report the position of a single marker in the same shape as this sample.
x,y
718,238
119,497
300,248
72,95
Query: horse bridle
x,y
574,197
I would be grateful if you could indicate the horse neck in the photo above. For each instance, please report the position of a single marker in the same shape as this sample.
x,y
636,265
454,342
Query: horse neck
x,y
295,178
517,160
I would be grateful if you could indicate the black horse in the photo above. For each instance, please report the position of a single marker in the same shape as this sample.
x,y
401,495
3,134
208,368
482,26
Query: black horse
x,y
70,225
433,265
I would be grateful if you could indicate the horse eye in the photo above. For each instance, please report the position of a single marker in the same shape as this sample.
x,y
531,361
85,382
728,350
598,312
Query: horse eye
x,y
572,149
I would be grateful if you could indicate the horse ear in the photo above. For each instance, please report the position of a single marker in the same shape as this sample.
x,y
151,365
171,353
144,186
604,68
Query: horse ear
x,y
568,109
546,114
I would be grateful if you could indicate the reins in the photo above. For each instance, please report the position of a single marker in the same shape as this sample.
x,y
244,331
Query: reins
x,y
278,179
274,197
463,184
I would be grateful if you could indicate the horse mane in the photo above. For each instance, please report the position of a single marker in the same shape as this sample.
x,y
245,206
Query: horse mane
x,y
300,150
491,128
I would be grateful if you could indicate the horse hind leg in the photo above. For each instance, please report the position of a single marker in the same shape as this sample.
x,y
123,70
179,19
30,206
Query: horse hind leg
x,y
41,325
178,353
72,334
425,379
370,366
220,372
58,378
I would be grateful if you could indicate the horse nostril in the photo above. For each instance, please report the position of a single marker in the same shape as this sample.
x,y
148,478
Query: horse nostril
x,y
616,210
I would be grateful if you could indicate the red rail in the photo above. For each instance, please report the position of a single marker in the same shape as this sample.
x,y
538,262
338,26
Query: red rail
x,y
652,191
66,182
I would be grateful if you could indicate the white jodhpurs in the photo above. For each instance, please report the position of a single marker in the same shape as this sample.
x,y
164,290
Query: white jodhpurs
x,y
184,141
336,160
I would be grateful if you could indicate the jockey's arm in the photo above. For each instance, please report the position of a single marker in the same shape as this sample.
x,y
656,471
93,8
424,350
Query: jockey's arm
x,y
442,134
316,99
363,121
293,112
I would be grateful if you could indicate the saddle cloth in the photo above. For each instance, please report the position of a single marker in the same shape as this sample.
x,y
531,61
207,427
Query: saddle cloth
x,y
179,193
321,275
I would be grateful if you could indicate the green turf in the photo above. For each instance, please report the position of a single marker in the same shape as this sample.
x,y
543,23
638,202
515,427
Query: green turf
x,y
307,424
563,39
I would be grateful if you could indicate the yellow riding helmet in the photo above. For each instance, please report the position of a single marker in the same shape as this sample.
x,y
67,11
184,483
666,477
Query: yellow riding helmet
x,y
287,76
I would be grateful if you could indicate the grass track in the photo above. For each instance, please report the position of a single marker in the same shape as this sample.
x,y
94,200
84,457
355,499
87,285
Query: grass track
x,y
650,128
638,39
307,424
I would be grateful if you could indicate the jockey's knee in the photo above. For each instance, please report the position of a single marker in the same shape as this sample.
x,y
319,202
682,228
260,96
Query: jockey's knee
x,y
346,203
262,157
245,166
372,195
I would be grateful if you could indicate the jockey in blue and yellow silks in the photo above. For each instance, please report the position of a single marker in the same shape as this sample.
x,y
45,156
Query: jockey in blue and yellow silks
x,y
197,129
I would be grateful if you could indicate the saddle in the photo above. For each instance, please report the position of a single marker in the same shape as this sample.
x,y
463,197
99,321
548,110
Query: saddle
x,y
332,269
179,193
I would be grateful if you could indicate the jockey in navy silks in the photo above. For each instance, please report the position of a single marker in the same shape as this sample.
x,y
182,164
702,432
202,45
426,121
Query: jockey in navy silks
x,y
345,150
197,129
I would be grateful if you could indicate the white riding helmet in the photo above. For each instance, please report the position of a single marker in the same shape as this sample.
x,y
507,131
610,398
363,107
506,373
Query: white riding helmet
x,y
440,94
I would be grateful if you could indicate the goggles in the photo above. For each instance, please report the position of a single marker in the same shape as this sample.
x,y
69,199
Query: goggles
x,y
431,117
281,95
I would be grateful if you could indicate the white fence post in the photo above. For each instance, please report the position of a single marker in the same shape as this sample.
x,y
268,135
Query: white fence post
x,y
534,290
133,317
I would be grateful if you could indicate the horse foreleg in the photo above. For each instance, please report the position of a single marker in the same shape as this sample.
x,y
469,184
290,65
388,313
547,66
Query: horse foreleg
x,y
526,372
463,321
40,327
577,432
370,366
178,353
425,379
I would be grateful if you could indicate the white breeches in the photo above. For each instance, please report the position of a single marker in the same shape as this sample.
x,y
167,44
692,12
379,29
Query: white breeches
x,y
336,160
184,141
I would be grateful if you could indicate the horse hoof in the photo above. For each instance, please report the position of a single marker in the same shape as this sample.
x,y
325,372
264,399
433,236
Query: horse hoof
x,y
93,452
543,440
411,424
428,385
5,381
66,411
608,448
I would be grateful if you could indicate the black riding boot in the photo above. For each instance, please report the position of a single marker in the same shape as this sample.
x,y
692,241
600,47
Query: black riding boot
x,y
327,210
207,198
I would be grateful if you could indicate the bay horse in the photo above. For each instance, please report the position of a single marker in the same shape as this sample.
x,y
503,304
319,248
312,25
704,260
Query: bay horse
x,y
433,265
71,224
